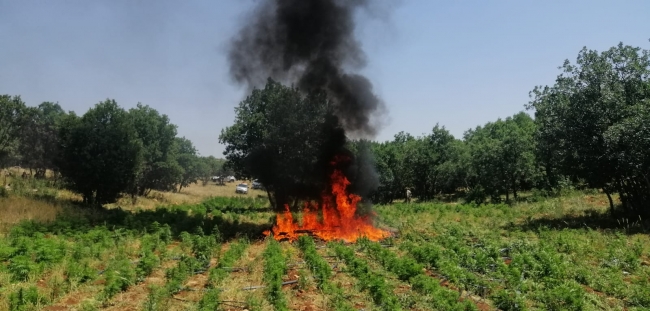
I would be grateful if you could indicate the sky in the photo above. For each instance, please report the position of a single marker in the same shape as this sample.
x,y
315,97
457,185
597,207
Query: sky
x,y
458,64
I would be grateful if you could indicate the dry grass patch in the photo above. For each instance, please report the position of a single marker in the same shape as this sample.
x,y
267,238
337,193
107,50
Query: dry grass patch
x,y
193,194
16,209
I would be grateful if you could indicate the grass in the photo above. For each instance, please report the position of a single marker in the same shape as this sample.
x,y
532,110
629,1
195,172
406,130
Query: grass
x,y
565,253
15,209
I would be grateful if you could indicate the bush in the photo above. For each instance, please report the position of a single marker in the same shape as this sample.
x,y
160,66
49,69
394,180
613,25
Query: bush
x,y
22,298
508,300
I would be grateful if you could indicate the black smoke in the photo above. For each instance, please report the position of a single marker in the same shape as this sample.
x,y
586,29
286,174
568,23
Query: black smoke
x,y
311,45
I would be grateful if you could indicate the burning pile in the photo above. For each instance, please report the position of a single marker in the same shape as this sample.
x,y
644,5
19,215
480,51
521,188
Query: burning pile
x,y
334,218
309,44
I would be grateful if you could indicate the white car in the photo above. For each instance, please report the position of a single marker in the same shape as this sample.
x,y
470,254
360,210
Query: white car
x,y
242,188
230,178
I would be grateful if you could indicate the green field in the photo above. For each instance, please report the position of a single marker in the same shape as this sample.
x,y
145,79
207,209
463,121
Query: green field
x,y
556,254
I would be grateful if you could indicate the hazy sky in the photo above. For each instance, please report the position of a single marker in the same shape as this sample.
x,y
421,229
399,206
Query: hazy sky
x,y
457,63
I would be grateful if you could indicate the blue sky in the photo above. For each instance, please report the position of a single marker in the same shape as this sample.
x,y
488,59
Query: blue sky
x,y
456,63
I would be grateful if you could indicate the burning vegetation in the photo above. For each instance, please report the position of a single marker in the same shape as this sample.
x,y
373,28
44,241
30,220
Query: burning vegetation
x,y
295,139
334,217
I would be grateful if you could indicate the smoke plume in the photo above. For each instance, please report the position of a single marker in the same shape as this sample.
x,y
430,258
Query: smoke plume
x,y
311,44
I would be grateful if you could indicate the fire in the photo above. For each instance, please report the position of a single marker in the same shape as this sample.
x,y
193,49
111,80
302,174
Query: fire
x,y
337,211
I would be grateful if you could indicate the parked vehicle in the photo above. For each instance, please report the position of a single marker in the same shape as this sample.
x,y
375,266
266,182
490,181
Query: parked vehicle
x,y
242,188
257,185
231,179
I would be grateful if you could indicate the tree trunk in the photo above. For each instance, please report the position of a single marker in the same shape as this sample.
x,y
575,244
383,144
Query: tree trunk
x,y
271,199
611,202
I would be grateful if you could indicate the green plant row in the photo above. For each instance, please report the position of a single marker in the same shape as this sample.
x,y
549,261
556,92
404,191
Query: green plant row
x,y
122,273
322,272
30,255
202,248
534,271
226,262
381,293
275,266
407,269
210,300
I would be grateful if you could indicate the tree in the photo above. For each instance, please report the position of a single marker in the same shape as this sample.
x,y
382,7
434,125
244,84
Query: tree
x,y
11,120
213,167
430,153
101,154
192,167
160,169
394,163
502,156
286,140
591,123
39,139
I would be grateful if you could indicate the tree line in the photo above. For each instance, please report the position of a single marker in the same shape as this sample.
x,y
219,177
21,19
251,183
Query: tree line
x,y
590,129
103,154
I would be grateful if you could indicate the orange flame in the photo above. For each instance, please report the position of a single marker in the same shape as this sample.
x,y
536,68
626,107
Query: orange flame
x,y
339,221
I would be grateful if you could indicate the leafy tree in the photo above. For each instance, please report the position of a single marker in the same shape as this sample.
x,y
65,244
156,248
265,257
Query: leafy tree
x,y
214,167
384,156
11,119
423,164
502,156
192,167
101,154
430,153
160,169
591,123
455,171
39,140
284,139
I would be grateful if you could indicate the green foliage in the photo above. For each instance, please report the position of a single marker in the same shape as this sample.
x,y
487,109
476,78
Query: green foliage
x,y
28,257
148,262
177,275
12,111
39,139
78,272
275,267
602,134
322,272
119,276
192,167
160,169
408,269
154,299
375,283
210,300
509,300
318,266
25,299
502,157
279,136
101,153
567,296
226,263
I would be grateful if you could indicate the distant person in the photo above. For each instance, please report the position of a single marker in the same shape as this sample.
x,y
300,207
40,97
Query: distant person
x,y
408,195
